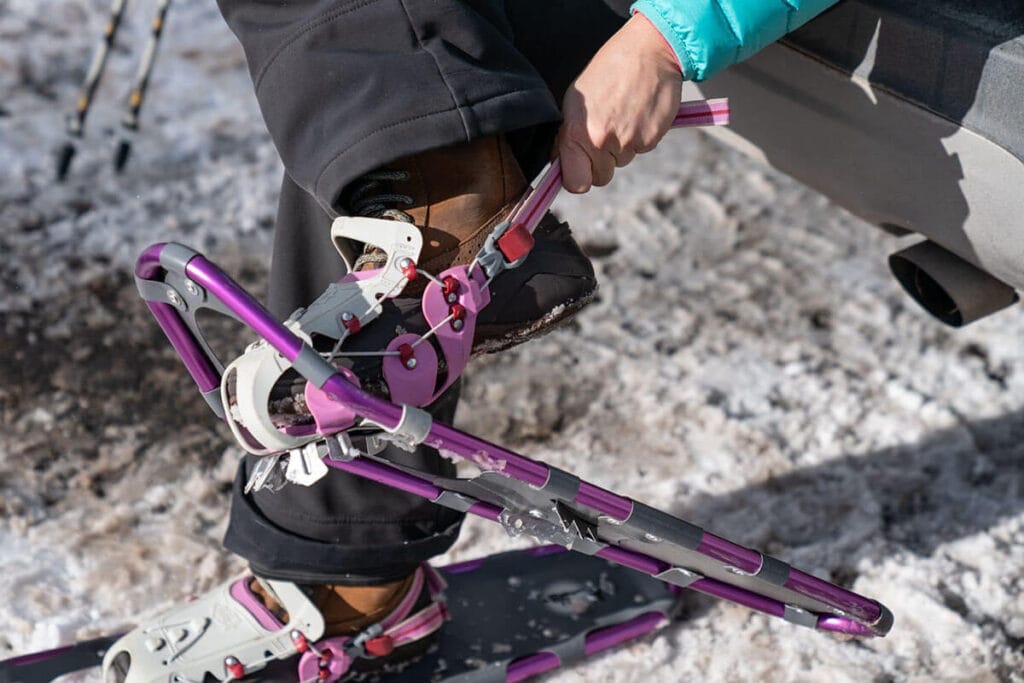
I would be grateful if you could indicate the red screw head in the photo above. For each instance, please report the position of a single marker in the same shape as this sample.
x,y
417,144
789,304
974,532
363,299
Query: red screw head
x,y
234,667
408,268
352,325
458,314
406,353
449,286
299,640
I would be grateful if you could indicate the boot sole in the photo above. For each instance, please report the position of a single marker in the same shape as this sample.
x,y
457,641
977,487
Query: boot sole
x,y
551,321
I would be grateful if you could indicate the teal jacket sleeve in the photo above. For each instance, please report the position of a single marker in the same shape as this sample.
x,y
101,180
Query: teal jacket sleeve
x,y
709,35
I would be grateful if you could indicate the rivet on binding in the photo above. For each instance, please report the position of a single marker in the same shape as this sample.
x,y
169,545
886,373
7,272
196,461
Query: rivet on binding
x,y
350,322
457,312
406,353
408,268
299,640
450,289
234,667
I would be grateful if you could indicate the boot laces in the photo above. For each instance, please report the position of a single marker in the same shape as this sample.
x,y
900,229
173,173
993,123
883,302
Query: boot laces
x,y
370,196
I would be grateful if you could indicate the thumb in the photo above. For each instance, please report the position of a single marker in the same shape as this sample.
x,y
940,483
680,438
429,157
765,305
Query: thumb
x,y
577,170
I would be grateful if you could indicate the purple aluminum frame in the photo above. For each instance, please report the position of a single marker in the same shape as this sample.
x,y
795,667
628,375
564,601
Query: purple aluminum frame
x,y
867,617
204,273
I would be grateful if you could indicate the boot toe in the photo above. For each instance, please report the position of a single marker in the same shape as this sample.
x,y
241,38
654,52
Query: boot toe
x,y
554,282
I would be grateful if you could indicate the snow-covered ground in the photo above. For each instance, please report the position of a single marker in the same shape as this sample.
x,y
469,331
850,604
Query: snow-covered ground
x,y
750,366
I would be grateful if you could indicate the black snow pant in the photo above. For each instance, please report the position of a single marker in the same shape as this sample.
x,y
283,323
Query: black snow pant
x,y
346,86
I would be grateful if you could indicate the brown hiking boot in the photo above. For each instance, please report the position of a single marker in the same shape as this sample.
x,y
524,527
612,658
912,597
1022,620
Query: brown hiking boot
x,y
243,625
456,196
346,609
352,610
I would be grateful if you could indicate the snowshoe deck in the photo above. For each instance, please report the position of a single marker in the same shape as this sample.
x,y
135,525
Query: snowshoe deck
x,y
513,615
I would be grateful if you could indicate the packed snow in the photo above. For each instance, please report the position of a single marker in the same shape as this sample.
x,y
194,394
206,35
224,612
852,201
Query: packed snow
x,y
750,366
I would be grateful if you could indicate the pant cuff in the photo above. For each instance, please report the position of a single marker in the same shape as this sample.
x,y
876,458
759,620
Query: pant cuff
x,y
274,553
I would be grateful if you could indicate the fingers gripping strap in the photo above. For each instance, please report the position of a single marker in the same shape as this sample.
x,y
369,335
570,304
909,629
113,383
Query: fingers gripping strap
x,y
451,303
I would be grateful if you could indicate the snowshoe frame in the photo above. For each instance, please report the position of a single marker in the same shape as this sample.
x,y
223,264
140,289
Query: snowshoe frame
x,y
525,495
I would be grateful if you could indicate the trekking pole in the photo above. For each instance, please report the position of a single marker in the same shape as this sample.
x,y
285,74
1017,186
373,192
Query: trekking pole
x,y
130,123
76,121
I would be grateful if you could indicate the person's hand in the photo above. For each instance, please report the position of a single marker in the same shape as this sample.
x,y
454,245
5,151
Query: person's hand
x,y
620,106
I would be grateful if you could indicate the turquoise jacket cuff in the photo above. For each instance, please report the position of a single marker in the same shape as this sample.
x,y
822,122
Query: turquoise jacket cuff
x,y
710,35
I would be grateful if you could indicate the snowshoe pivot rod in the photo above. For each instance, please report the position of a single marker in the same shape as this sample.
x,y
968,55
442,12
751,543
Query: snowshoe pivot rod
x,y
383,473
76,121
699,113
130,123
163,268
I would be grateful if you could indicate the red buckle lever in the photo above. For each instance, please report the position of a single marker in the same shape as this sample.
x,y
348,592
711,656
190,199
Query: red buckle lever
x,y
381,646
515,243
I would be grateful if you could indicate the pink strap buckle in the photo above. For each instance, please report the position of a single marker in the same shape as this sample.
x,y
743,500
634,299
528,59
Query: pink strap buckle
x,y
330,659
